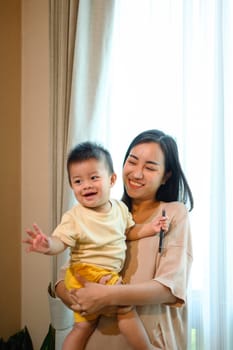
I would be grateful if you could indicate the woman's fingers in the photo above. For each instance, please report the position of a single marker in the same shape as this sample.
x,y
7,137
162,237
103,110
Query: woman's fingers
x,y
81,279
105,279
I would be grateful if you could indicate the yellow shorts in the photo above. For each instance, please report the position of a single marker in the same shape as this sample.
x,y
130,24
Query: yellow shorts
x,y
91,273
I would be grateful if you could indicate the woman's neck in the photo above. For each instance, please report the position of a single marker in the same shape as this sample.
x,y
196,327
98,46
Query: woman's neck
x,y
143,210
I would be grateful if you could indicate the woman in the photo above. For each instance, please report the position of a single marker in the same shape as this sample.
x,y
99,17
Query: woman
x,y
157,268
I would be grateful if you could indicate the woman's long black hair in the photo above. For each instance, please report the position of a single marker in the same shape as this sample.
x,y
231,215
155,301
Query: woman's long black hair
x,y
176,187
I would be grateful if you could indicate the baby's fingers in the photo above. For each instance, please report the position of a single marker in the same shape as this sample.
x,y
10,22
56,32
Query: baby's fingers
x,y
165,224
31,233
37,229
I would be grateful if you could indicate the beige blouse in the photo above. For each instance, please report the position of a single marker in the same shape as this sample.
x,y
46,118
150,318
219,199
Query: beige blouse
x,y
165,325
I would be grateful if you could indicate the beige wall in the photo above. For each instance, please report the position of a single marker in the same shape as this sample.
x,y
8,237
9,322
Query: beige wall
x,y
25,164
10,53
35,162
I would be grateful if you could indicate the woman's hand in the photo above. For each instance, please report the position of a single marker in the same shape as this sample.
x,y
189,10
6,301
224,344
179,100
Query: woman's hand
x,y
92,298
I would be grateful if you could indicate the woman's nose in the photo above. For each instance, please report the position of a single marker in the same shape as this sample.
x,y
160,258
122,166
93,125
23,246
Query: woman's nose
x,y
138,174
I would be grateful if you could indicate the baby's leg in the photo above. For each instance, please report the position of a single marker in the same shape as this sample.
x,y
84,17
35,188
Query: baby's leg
x,y
79,335
132,328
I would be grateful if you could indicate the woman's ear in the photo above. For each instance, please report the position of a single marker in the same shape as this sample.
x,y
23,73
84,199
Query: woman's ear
x,y
113,179
166,177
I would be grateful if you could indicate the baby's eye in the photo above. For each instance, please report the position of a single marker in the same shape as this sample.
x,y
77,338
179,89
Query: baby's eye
x,y
77,181
94,177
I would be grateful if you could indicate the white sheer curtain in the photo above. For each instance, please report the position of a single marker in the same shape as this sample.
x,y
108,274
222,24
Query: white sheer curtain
x,y
168,65
90,85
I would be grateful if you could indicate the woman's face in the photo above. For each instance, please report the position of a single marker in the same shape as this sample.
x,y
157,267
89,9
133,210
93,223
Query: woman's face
x,y
144,171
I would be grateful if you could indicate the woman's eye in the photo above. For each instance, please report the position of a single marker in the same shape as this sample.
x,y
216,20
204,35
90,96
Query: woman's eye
x,y
131,162
151,169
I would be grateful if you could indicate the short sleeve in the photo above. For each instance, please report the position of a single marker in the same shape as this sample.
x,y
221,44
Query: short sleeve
x,y
65,230
174,263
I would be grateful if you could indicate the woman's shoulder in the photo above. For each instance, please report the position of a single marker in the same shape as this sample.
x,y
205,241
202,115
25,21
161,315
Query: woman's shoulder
x,y
174,208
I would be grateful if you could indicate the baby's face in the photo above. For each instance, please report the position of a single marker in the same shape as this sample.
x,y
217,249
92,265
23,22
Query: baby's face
x,y
91,183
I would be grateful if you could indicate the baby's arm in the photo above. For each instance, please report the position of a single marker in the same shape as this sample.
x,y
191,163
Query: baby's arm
x,y
38,242
149,229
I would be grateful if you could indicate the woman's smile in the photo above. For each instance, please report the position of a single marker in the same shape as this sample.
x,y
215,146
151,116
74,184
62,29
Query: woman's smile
x,y
135,184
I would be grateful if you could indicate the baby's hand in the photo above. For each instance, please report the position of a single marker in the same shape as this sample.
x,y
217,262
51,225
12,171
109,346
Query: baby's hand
x,y
37,240
160,223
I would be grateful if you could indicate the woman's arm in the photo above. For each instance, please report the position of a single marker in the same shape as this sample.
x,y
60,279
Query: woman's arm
x,y
94,297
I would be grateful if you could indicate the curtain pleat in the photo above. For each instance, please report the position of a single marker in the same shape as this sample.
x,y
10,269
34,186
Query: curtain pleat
x,y
63,23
